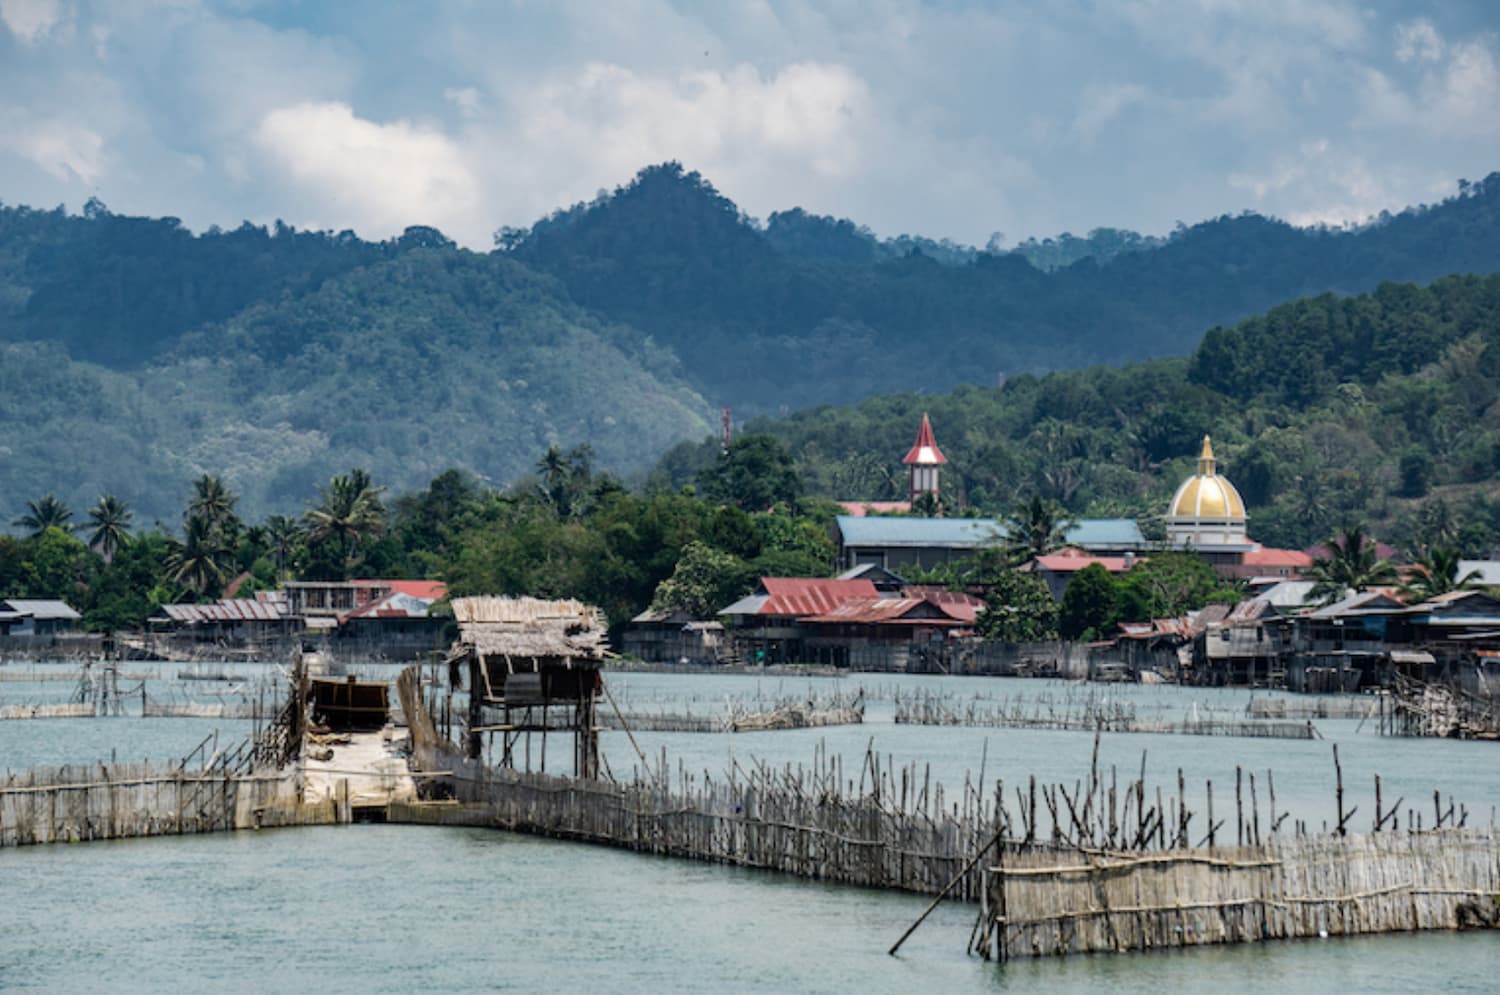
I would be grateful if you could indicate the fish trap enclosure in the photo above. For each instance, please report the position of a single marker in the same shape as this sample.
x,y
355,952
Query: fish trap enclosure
x,y
1039,903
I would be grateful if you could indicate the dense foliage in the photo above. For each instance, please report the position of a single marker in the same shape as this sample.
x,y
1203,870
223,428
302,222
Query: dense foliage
x,y
567,530
1378,409
812,309
136,356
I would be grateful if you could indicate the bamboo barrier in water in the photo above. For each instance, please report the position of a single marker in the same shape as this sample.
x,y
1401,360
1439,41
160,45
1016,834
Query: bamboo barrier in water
x,y
1092,901
116,801
1087,715
61,710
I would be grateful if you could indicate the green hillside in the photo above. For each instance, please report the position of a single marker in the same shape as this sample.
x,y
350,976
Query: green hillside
x,y
1381,408
138,355
430,360
813,310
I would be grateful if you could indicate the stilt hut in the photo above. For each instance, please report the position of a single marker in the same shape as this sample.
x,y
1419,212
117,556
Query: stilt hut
x,y
529,666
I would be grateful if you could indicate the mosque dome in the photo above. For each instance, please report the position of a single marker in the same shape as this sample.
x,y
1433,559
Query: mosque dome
x,y
1206,510
1206,494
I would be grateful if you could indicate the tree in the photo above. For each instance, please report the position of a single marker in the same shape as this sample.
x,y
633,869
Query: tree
x,y
1169,585
197,560
57,565
1438,573
1034,528
45,513
705,580
1018,609
349,510
754,474
1088,603
110,518
1352,564
214,503
282,536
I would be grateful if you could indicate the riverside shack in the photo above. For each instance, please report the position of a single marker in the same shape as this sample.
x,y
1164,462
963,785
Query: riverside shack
x,y
530,667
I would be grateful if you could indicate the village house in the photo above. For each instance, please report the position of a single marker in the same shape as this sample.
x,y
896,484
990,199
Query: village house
x,y
1057,569
37,617
662,636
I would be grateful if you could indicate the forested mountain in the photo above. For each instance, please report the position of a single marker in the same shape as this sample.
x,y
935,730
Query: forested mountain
x,y
1379,409
812,310
431,359
135,355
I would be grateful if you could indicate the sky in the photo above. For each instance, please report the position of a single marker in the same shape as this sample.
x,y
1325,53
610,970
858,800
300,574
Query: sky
x,y
943,119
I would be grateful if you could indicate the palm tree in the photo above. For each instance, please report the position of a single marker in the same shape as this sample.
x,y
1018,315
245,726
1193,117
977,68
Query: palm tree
x,y
213,502
1438,573
349,511
111,525
1353,564
45,513
198,560
282,533
1034,528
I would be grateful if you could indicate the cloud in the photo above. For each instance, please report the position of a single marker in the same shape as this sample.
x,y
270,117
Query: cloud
x,y
1418,41
31,20
945,119
387,175
63,150
1319,184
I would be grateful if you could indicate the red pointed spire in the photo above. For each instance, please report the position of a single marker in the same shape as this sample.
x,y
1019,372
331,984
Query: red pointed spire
x,y
924,452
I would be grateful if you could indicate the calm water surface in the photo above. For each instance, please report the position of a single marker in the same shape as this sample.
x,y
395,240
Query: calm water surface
x,y
398,908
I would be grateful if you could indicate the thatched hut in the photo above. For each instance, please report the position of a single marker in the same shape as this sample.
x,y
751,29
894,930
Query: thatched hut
x,y
523,660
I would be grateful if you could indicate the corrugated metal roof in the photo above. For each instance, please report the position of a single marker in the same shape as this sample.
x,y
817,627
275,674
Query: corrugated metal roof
x,y
886,611
967,533
750,604
393,605
228,610
43,608
971,533
811,595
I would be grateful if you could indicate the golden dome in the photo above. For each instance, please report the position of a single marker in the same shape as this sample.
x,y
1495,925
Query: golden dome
x,y
1206,494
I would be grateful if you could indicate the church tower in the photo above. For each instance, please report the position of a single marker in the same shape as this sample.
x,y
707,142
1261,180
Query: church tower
x,y
1206,513
924,459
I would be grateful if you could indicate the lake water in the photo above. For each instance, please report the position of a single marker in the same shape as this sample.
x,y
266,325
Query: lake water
x,y
397,908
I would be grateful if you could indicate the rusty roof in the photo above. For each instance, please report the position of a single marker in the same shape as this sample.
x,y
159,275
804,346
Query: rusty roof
x,y
887,611
810,595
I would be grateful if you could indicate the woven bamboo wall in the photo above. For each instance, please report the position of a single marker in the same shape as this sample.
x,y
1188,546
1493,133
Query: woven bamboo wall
x,y
1042,904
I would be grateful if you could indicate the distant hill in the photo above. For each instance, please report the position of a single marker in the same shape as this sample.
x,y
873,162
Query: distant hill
x,y
425,361
138,354
814,310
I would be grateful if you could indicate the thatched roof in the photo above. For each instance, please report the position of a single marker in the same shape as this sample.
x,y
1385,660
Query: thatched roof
x,y
530,627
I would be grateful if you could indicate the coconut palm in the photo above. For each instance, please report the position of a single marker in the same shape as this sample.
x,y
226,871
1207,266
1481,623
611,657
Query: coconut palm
x,y
197,561
1438,573
213,502
110,519
1353,564
349,511
45,513
1034,528
282,533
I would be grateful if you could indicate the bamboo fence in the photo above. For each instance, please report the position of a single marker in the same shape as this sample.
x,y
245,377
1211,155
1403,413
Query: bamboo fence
x,y
1093,901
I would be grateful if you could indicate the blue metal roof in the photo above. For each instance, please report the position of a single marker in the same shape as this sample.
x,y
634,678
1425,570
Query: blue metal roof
x,y
968,533
882,531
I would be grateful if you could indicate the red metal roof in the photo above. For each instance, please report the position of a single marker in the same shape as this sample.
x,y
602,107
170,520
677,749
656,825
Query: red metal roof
x,y
810,595
925,451
859,509
427,590
1072,560
1267,557
884,611
960,605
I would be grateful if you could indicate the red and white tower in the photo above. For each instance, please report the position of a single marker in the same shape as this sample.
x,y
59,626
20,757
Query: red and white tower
x,y
924,459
